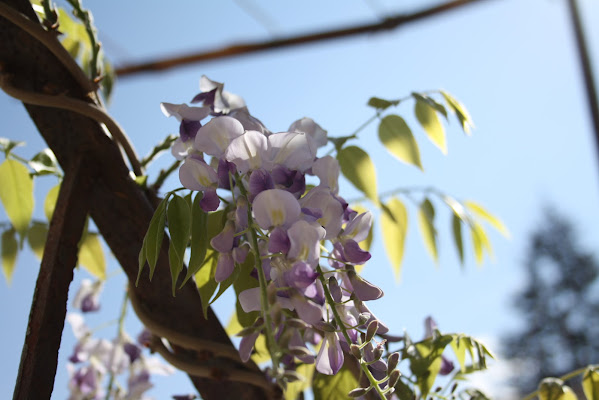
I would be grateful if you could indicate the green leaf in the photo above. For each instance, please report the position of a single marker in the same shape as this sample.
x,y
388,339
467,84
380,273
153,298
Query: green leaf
x,y
551,389
397,137
50,201
456,225
394,223
480,242
427,116
44,163
179,225
334,387
403,391
91,256
153,240
426,220
6,145
357,166
460,112
381,104
294,389
440,108
9,253
459,348
245,281
36,237
481,212
199,240
16,194
590,383
205,280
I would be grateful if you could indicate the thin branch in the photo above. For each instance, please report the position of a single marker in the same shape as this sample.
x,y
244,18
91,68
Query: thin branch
x,y
50,41
79,106
587,71
389,23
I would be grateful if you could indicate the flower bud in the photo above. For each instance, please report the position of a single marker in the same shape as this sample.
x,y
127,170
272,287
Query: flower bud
x,y
297,323
325,326
355,350
359,392
363,318
371,330
271,291
392,362
277,314
246,331
377,352
335,289
292,376
299,351
394,378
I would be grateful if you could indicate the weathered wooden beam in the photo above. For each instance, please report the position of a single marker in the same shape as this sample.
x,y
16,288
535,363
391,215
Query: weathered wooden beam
x,y
119,207
37,369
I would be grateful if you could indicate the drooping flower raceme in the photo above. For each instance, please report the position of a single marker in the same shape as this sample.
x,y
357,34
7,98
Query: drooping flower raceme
x,y
305,243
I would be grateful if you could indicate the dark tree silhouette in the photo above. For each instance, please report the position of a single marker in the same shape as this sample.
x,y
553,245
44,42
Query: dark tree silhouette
x,y
559,308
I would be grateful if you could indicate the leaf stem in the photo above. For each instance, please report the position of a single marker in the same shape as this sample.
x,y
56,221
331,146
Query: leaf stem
x,y
121,324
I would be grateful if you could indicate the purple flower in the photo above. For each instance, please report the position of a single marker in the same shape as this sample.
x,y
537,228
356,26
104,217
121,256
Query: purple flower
x,y
214,137
312,129
275,207
87,298
247,345
330,357
247,151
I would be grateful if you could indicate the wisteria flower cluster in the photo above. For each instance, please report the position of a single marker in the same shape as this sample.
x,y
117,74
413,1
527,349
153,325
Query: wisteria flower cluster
x,y
95,361
306,238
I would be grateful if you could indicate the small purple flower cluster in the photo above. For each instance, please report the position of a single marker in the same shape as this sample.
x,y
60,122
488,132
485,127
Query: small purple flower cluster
x,y
290,227
94,360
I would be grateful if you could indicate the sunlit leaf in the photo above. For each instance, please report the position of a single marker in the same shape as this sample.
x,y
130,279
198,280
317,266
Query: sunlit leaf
x,y
590,383
460,112
334,387
456,225
50,201
9,253
481,212
205,280
44,163
394,224
426,222
179,226
6,145
16,194
359,169
440,108
428,118
459,348
261,353
245,281
295,388
36,237
480,242
199,240
551,389
397,137
91,256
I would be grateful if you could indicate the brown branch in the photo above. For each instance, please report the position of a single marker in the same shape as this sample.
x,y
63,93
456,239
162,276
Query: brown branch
x,y
389,23
119,207
587,71
49,306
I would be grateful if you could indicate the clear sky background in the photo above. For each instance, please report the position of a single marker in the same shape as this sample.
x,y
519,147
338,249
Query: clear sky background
x,y
511,62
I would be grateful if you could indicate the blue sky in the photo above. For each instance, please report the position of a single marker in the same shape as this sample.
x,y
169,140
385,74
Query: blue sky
x,y
511,62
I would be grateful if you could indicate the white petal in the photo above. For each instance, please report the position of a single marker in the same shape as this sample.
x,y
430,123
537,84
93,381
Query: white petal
x,y
275,207
247,151
214,137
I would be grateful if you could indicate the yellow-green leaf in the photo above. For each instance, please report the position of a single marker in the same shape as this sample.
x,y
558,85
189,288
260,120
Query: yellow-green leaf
x,y
590,384
456,225
50,201
36,237
428,118
205,280
480,242
394,223
9,253
397,137
16,194
91,256
294,389
460,111
357,166
426,222
179,226
334,387
458,344
481,212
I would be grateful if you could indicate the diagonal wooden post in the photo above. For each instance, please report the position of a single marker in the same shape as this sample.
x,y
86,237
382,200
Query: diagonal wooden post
x,y
37,369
